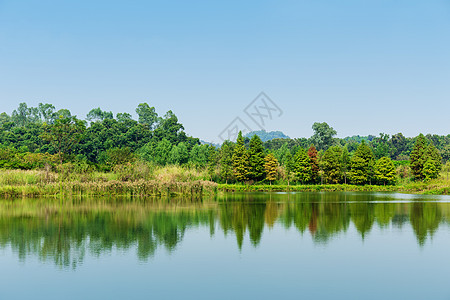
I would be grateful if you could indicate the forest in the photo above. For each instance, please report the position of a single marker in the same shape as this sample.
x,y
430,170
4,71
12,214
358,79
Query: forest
x,y
43,138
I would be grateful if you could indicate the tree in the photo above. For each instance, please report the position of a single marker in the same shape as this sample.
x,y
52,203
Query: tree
x,y
240,159
323,135
362,164
289,166
4,118
431,152
418,157
312,154
64,134
97,114
332,164
226,161
385,171
271,167
124,117
212,160
199,155
302,168
47,112
178,154
20,115
256,169
147,115
429,170
345,162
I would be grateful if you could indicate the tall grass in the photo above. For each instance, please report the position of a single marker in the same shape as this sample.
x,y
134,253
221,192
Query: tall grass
x,y
133,179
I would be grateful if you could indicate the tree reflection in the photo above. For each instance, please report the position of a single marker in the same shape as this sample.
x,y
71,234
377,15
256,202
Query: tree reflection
x,y
65,233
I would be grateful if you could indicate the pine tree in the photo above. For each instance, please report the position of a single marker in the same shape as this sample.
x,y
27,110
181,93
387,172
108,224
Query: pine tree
x,y
256,169
302,167
418,157
362,164
332,165
226,161
429,170
312,153
345,161
212,161
271,167
385,171
289,166
240,160
433,153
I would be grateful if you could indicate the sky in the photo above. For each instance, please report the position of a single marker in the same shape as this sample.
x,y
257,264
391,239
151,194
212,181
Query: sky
x,y
364,67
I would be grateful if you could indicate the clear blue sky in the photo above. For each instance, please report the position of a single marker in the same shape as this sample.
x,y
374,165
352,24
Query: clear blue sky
x,y
364,67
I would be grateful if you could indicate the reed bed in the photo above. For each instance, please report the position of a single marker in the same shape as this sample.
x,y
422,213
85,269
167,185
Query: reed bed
x,y
139,188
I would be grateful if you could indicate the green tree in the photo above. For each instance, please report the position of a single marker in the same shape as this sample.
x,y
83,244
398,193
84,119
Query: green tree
x,y
323,135
47,112
96,114
147,115
346,163
289,166
302,167
226,161
432,153
429,170
178,155
385,171
418,157
199,155
240,160
271,167
332,164
256,169
63,135
362,164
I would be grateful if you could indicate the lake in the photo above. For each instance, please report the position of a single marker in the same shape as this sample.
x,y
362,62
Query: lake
x,y
236,246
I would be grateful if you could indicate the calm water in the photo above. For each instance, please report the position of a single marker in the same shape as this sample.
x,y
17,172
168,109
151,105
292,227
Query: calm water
x,y
241,246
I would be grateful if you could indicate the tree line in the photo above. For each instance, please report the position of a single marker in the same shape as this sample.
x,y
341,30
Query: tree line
x,y
35,137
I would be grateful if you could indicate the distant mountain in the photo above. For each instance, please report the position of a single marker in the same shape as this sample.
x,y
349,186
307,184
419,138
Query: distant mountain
x,y
267,136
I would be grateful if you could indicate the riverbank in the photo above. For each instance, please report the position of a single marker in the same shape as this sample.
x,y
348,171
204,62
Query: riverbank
x,y
437,187
169,181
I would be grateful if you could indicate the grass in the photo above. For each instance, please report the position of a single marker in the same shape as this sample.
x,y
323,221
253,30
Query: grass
x,y
142,179
133,180
434,187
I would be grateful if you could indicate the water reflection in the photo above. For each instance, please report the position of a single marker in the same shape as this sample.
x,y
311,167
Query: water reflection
x,y
64,232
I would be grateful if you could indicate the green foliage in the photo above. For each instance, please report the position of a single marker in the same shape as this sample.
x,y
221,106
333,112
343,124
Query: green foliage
x,y
240,160
302,167
271,167
97,114
178,155
199,154
385,171
256,169
346,163
147,115
418,157
63,135
117,156
362,165
429,170
332,164
226,161
323,135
